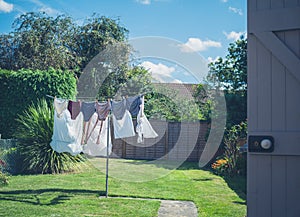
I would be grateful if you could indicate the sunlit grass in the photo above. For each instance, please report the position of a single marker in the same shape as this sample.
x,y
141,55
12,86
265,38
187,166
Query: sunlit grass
x,y
77,194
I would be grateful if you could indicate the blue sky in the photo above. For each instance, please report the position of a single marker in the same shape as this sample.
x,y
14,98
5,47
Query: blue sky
x,y
206,26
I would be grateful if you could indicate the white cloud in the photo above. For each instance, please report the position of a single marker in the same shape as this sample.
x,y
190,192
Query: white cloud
x,y
49,10
174,80
161,72
45,8
148,2
196,44
5,7
224,1
236,10
210,59
144,2
233,35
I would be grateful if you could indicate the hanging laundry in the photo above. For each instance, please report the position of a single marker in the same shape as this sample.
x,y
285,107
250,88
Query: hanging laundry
x,y
88,109
74,108
123,128
60,105
133,105
144,128
67,133
103,110
122,120
118,108
96,145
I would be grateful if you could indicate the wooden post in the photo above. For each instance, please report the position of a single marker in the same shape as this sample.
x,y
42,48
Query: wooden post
x,y
167,142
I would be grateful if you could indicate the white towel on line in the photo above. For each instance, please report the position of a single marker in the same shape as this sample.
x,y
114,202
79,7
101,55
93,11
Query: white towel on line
x,y
123,128
67,133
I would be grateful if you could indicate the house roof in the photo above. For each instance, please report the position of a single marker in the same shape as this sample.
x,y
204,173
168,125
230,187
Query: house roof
x,y
182,90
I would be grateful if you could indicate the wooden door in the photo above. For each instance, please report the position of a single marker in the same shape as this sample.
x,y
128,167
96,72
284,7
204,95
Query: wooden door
x,y
274,107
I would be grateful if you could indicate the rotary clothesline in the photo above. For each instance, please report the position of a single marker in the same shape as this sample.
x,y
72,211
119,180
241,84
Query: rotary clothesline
x,y
73,120
122,113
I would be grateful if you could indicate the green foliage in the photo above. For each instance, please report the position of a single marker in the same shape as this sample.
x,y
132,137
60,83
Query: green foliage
x,y
220,166
160,106
236,106
20,88
10,156
3,179
163,103
232,162
94,36
203,98
3,176
34,132
106,73
230,75
40,41
138,81
126,82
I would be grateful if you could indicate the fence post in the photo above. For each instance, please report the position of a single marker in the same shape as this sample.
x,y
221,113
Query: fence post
x,y
167,142
123,149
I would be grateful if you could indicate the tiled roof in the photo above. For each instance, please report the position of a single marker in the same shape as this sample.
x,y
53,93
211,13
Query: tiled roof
x,y
182,90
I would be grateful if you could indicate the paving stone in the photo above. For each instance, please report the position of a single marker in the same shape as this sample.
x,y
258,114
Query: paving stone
x,y
175,208
171,208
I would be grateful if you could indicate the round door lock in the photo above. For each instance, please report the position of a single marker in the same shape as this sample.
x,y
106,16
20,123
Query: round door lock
x,y
266,144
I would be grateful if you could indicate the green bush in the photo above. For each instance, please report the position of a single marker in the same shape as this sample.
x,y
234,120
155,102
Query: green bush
x,y
232,162
3,176
236,106
34,132
19,89
3,179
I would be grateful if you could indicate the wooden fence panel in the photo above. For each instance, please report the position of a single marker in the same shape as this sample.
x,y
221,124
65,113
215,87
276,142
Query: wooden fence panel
x,y
176,141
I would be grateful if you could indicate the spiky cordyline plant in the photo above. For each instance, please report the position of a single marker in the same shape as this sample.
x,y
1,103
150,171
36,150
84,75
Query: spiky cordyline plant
x,y
34,132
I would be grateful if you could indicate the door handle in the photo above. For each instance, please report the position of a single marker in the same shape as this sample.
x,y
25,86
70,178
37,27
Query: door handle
x,y
260,144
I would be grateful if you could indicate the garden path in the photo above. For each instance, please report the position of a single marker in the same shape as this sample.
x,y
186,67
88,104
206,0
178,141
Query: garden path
x,y
177,208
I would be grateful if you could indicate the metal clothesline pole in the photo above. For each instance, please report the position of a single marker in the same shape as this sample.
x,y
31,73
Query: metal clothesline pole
x,y
107,148
107,155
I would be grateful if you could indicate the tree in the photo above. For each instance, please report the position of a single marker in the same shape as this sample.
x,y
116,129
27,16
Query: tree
x,y
203,98
40,41
93,37
138,81
230,74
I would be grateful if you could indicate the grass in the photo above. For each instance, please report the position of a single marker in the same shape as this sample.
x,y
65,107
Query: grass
x,y
78,194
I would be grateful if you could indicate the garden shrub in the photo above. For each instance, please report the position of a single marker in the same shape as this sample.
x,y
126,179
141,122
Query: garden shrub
x,y
3,176
34,132
232,162
11,163
21,88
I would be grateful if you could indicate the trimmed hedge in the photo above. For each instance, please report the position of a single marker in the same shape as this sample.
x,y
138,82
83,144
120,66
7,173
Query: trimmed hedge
x,y
19,89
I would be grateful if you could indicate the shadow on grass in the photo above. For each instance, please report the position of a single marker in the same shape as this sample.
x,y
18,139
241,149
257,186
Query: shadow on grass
x,y
241,203
45,197
161,163
238,184
189,166
203,179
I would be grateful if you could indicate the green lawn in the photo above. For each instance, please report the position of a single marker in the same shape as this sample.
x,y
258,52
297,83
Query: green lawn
x,y
78,194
